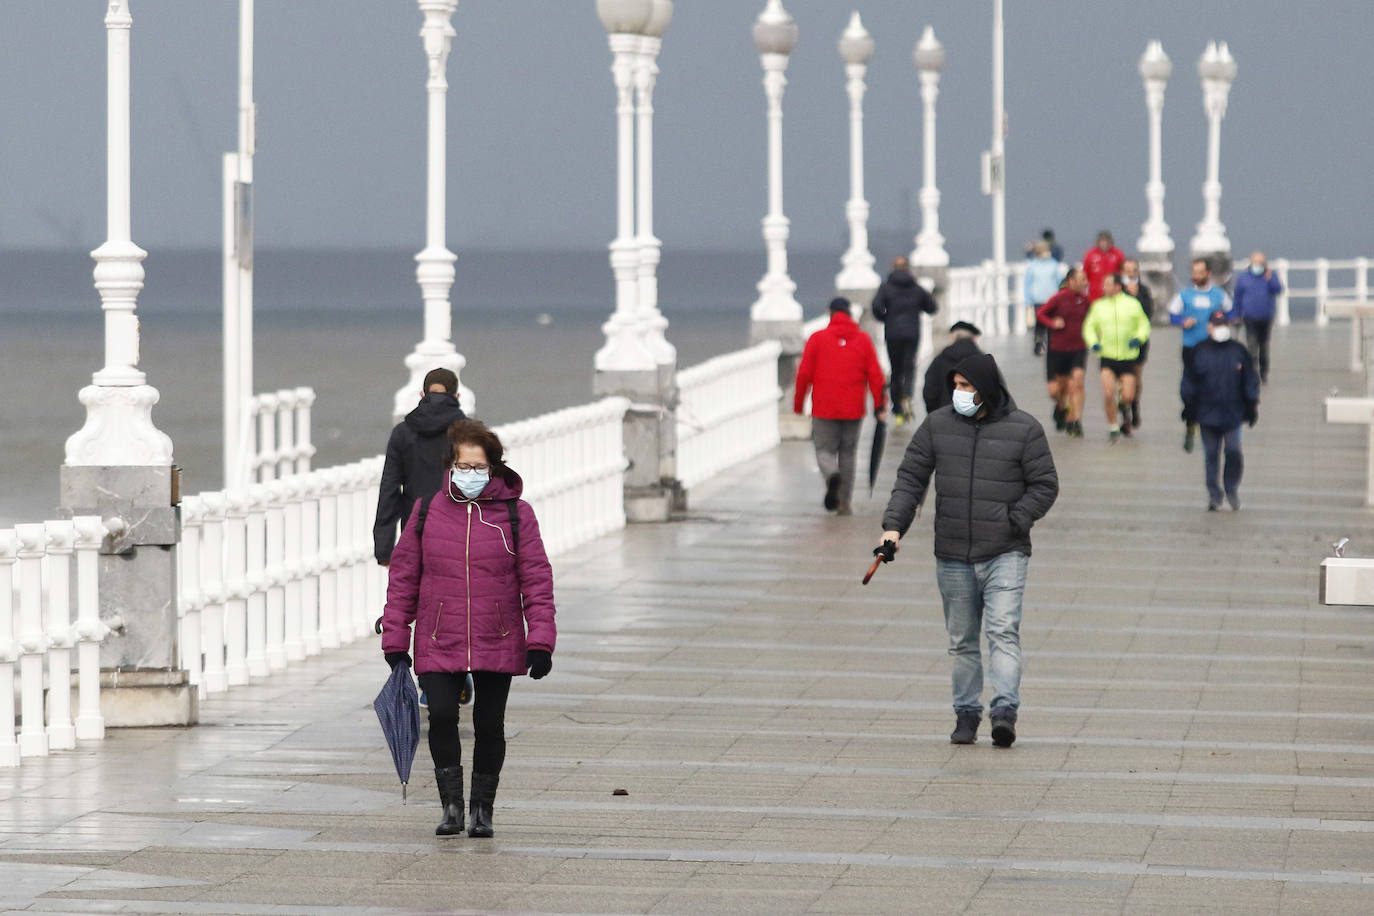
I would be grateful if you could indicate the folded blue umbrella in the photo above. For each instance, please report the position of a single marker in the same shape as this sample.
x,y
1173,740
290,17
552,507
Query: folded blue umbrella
x,y
398,711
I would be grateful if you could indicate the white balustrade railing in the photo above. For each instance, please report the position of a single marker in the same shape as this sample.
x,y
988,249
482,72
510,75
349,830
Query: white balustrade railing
x,y
277,434
38,565
727,411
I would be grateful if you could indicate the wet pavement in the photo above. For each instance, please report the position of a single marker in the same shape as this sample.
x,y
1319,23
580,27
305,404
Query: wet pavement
x,y
1195,732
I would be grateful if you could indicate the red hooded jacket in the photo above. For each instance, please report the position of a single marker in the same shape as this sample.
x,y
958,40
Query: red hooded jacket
x,y
1097,264
838,363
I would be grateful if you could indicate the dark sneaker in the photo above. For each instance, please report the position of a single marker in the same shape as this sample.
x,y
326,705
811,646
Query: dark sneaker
x,y
1059,414
1135,413
1188,438
1123,410
1003,731
965,728
1212,507
832,492
1234,500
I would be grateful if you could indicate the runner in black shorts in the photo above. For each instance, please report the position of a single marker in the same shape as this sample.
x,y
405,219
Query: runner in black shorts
x,y
1061,363
1067,358
1130,277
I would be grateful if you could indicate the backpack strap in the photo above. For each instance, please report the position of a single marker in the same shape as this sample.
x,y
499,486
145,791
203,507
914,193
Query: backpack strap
x,y
420,519
513,506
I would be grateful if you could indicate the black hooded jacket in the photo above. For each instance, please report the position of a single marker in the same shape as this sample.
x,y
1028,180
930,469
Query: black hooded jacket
x,y
414,465
898,304
938,388
994,474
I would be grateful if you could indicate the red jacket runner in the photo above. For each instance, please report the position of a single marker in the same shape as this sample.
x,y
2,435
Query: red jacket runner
x,y
1097,264
838,363
1073,308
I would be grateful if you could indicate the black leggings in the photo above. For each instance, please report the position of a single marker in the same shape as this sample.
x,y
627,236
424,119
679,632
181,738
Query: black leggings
x,y
901,354
488,719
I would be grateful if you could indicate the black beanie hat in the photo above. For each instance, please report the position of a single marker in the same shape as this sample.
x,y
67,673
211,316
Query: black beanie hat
x,y
839,304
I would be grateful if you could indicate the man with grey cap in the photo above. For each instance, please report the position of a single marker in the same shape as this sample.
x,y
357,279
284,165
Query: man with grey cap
x,y
994,478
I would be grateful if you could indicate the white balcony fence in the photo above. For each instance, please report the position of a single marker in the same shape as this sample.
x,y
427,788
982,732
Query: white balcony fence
x,y
727,411
285,570
277,434
49,608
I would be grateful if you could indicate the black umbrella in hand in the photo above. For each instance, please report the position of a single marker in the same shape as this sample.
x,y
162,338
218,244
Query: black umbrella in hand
x,y
398,710
875,452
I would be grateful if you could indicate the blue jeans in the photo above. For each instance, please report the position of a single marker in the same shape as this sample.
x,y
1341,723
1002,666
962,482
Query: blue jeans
x,y
984,596
1214,441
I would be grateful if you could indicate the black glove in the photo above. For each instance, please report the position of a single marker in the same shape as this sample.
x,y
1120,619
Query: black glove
x,y
396,658
539,662
1189,414
1134,343
1251,414
887,550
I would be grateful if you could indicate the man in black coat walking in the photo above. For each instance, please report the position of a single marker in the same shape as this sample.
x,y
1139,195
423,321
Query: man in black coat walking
x,y
898,304
414,465
938,391
994,478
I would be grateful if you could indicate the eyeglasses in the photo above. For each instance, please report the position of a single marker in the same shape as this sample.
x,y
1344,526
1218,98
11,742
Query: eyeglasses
x,y
472,467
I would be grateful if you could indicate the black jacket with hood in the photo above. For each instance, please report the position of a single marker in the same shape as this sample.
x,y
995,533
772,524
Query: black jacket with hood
x,y
898,304
994,474
938,388
414,465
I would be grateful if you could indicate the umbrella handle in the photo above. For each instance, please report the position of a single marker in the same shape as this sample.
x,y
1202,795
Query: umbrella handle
x,y
873,569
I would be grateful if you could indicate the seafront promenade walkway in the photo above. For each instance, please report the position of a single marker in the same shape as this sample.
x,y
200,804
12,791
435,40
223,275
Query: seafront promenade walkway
x,y
1196,730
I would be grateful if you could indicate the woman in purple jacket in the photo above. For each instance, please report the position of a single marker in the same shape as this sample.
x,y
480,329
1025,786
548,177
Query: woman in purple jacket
x,y
471,574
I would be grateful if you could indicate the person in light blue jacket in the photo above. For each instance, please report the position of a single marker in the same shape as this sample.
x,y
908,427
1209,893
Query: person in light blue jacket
x,y
1043,276
1191,309
1256,292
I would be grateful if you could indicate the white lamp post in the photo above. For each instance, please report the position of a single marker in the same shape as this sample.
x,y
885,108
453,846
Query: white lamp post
x,y
625,349
652,322
997,176
119,426
1155,69
1218,71
775,36
238,266
434,264
857,275
929,56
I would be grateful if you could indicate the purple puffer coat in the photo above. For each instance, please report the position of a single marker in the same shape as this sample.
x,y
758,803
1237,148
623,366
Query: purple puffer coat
x,y
470,599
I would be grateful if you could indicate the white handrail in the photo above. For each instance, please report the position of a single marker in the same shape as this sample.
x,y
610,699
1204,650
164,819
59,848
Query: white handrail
x,y
727,411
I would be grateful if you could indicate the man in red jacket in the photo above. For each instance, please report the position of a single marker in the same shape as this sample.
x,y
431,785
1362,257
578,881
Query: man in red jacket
x,y
1100,260
839,362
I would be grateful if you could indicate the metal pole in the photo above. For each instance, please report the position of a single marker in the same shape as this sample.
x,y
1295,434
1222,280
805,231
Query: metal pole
x,y
243,203
999,192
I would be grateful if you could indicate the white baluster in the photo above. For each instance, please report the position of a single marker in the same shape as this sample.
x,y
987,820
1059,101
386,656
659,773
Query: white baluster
x,y
362,551
61,536
377,573
90,532
286,434
278,493
33,642
310,562
1323,288
212,583
1281,268
328,559
304,450
9,648
267,437
256,579
343,554
292,571
191,599
236,589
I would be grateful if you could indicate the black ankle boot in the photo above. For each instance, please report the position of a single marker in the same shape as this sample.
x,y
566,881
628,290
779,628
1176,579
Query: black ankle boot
x,y
965,727
450,780
483,798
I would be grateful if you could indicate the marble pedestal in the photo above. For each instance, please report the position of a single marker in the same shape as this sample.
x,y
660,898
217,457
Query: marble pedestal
x,y
652,489
789,335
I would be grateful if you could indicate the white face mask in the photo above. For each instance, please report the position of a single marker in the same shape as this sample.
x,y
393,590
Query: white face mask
x,y
470,483
1257,269
1221,333
964,403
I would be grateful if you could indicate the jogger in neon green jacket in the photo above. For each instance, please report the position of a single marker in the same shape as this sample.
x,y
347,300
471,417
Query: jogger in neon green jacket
x,y
1115,328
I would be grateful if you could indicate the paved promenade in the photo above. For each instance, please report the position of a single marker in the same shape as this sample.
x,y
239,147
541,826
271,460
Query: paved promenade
x,y
1196,730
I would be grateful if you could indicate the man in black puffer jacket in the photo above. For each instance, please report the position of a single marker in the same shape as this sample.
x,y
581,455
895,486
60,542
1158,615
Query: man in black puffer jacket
x,y
994,478
938,388
414,465
898,304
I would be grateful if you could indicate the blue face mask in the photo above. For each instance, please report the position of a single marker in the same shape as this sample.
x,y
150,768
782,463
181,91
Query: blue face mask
x,y
470,483
964,403
1257,269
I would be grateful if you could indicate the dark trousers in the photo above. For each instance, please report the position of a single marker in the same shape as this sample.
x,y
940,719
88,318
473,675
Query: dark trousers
x,y
836,443
1257,339
901,353
1214,441
490,691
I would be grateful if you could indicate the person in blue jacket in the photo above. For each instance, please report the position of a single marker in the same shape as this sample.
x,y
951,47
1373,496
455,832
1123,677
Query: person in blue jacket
x,y
1220,391
1189,310
1256,292
1043,277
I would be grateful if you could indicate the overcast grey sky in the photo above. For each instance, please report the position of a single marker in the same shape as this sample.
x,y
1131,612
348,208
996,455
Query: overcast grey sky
x,y
340,93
